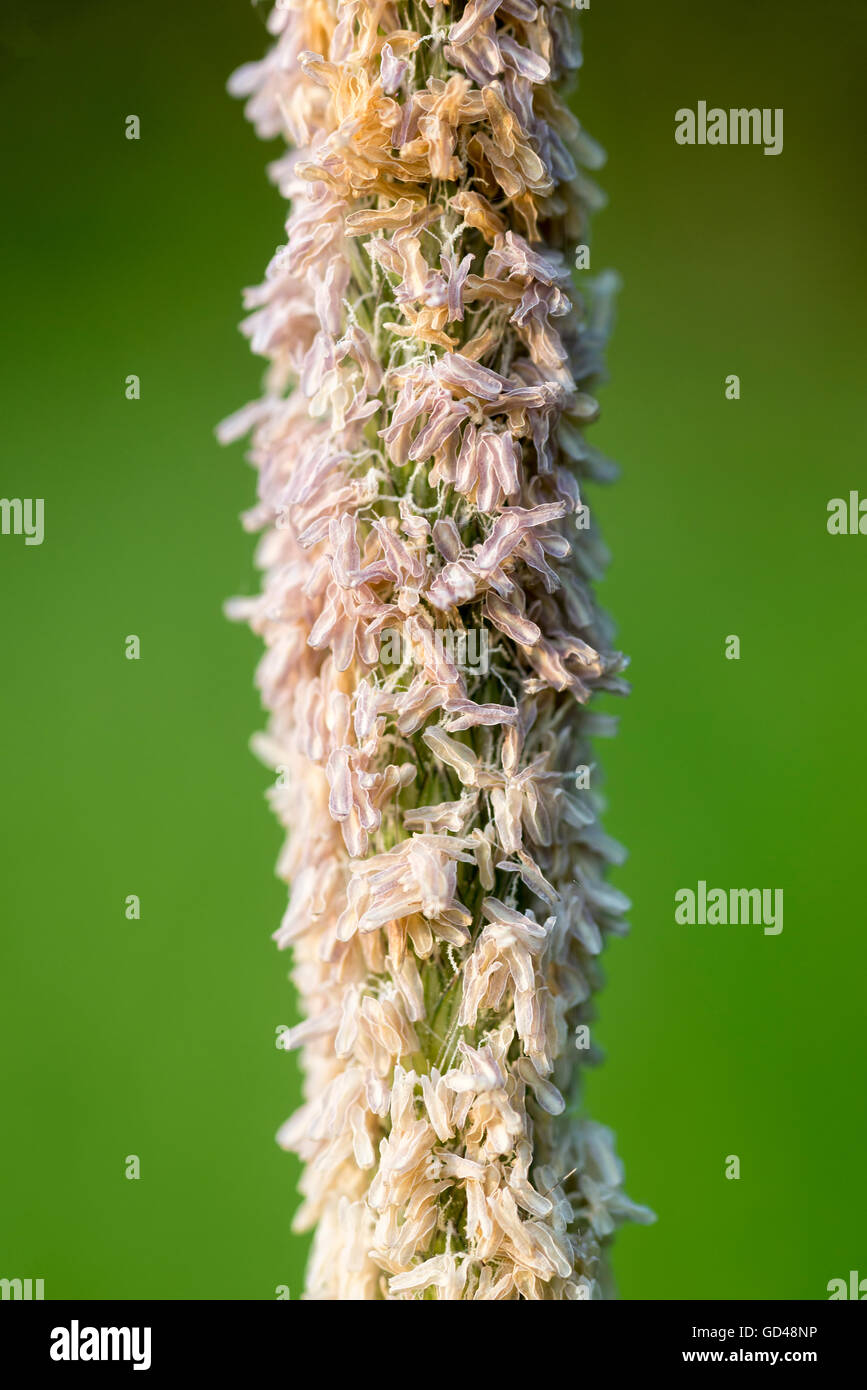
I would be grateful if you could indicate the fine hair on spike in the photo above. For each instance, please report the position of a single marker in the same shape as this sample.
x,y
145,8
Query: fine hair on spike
x,y
433,642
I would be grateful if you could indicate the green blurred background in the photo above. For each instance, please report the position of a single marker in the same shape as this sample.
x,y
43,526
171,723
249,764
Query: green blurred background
x,y
156,1037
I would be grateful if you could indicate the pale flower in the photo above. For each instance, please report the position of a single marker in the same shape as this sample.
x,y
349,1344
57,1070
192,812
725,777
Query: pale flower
x,y
421,467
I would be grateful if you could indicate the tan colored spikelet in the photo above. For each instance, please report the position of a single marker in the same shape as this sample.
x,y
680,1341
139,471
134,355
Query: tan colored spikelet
x,y
433,642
